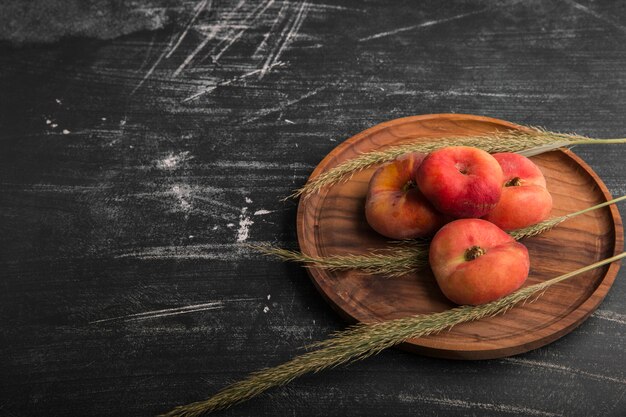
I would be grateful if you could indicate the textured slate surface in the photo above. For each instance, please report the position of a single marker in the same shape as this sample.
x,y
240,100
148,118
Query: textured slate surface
x,y
125,200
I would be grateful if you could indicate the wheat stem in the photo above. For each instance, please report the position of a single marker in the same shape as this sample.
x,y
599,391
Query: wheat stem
x,y
530,142
590,141
405,256
549,224
389,262
364,340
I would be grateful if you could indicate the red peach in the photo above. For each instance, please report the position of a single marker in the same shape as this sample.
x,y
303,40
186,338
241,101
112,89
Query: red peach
x,y
395,207
475,262
525,199
461,181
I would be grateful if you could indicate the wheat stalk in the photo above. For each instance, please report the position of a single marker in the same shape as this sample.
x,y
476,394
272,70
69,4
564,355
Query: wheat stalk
x,y
549,224
364,340
389,262
407,256
531,141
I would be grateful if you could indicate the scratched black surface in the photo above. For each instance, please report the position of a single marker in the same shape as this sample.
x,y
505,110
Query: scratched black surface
x,y
125,289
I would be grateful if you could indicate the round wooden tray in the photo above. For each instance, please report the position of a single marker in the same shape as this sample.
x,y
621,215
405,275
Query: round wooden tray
x,y
333,222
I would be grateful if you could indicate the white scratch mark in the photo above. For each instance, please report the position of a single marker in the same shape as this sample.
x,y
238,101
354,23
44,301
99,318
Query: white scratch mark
x,y
152,68
262,212
66,132
420,25
148,52
475,93
290,122
286,37
304,8
217,203
58,101
266,309
214,251
293,177
248,200
198,9
596,15
213,305
251,18
610,316
244,226
210,88
449,402
562,368
265,112
191,56
269,296
189,196
256,165
214,30
54,125
172,161
263,44
231,225
54,188
48,121
333,7
164,313
182,194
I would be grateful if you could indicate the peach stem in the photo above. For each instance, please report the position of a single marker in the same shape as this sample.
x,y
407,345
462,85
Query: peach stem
x,y
474,252
408,186
513,182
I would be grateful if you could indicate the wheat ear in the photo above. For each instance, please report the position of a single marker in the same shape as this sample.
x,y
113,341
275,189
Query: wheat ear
x,y
405,256
531,141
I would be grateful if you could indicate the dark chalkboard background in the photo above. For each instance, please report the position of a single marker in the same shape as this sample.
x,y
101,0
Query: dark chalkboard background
x,y
124,199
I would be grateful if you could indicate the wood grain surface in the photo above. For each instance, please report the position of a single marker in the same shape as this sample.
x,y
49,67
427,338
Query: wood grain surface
x,y
134,171
333,222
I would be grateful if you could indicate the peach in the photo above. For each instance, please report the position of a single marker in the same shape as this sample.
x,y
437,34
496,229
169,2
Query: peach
x,y
461,181
525,199
395,207
475,262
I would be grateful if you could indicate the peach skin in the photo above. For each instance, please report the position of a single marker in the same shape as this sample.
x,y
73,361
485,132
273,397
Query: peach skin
x,y
395,207
461,181
525,200
475,262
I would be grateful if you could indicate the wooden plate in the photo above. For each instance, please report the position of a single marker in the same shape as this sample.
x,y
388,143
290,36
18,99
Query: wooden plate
x,y
333,222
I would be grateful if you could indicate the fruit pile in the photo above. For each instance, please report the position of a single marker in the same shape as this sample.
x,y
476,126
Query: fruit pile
x,y
466,200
